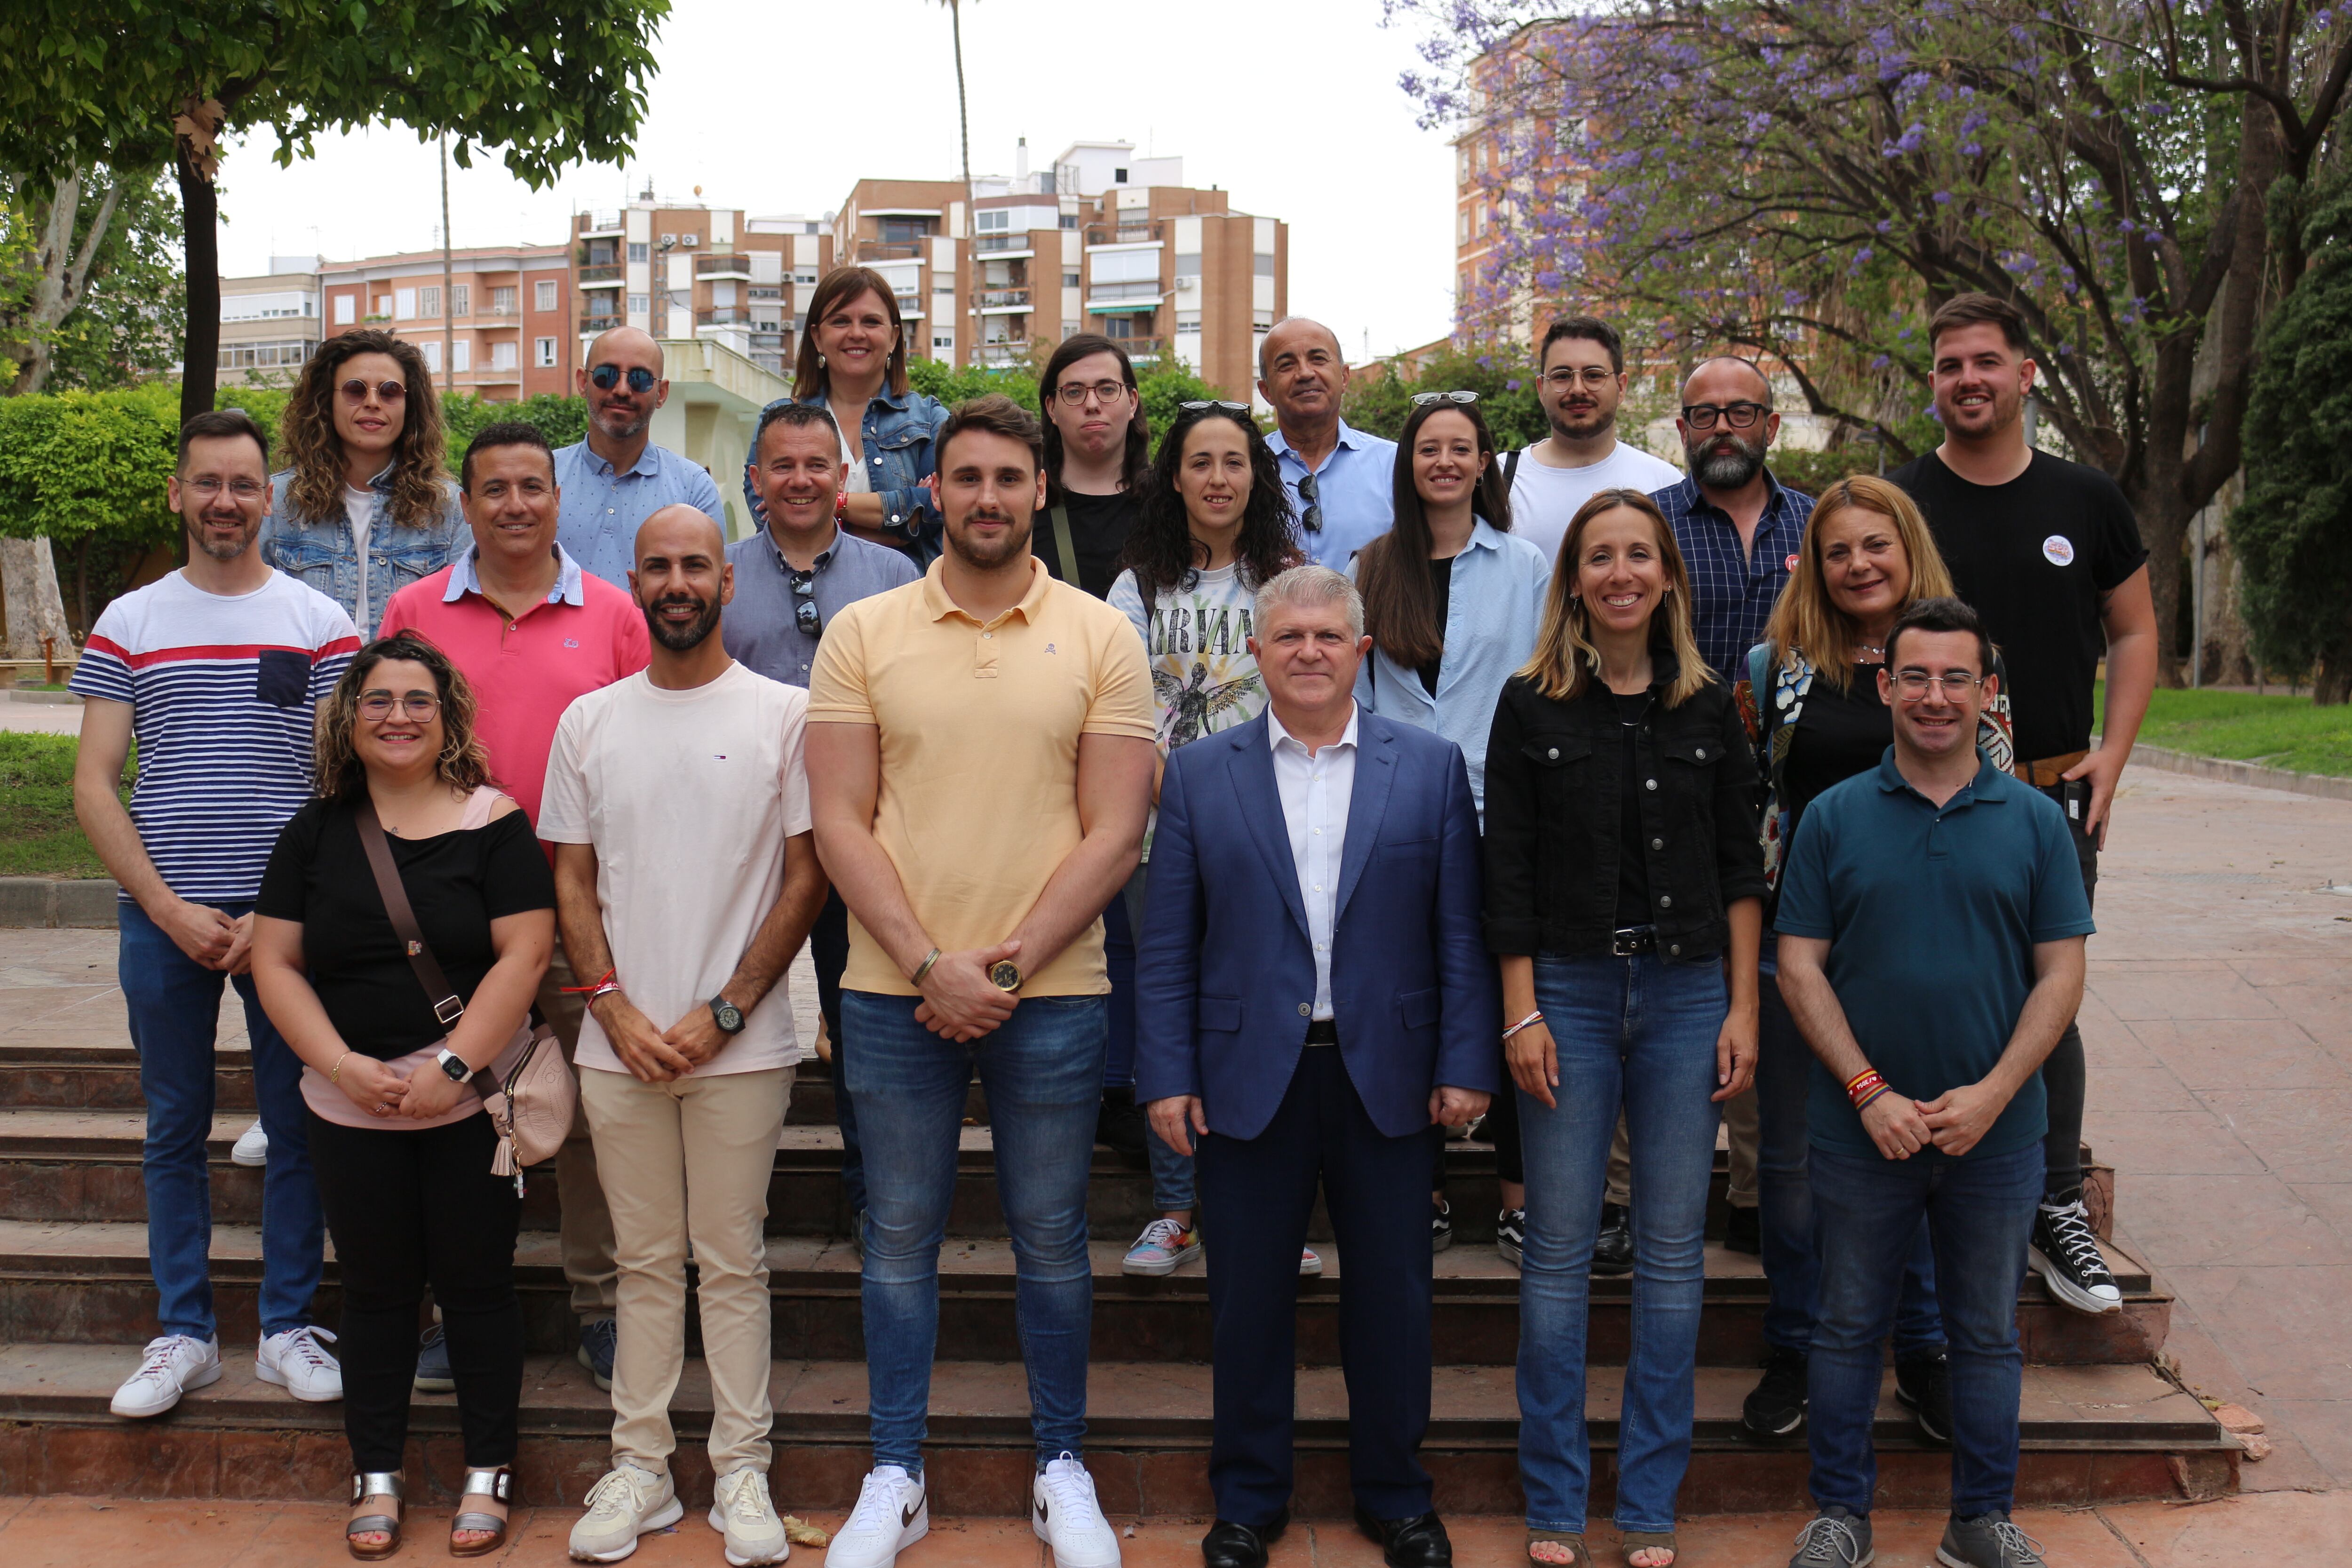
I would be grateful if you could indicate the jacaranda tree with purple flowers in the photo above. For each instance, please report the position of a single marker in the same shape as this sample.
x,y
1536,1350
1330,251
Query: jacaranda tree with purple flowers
x,y
1810,178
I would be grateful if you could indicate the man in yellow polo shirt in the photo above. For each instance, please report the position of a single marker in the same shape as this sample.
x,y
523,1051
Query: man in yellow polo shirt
x,y
980,760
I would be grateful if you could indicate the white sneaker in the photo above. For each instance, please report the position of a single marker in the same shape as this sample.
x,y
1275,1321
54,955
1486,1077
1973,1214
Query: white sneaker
x,y
252,1148
299,1363
1063,1510
173,1365
741,1512
628,1503
892,1514
1308,1263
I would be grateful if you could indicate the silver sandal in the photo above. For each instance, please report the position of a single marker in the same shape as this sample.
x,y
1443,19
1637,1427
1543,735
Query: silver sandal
x,y
496,1485
365,1487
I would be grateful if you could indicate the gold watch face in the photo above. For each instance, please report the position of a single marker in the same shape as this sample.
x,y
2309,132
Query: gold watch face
x,y
1005,974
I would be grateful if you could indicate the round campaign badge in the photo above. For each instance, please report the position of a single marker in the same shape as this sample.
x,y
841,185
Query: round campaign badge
x,y
2058,550
1791,563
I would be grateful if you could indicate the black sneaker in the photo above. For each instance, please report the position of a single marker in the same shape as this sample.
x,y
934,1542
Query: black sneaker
x,y
1836,1539
2067,1256
1743,1231
1923,1386
1511,1234
1441,1226
1121,1126
1613,1250
1776,1407
1987,1540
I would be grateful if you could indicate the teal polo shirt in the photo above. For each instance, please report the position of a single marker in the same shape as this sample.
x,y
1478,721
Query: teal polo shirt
x,y
1931,914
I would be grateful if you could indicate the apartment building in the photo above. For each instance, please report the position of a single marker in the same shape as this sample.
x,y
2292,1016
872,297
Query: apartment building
x,y
506,311
690,271
270,324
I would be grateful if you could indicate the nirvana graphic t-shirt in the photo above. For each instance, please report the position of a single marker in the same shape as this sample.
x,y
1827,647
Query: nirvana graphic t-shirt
x,y
1196,637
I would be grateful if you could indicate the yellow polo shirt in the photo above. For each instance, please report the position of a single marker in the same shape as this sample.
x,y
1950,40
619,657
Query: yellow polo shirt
x,y
979,730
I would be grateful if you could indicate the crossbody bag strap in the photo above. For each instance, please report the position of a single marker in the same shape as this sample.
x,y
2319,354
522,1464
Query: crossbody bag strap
x,y
1064,548
447,1005
1511,468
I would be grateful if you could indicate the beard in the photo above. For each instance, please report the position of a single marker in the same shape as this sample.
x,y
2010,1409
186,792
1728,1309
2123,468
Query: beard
x,y
681,638
989,557
1582,424
219,551
620,425
1725,470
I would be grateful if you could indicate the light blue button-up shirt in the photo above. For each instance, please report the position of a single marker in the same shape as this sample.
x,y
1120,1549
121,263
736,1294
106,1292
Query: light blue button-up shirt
x,y
1355,487
1493,608
600,511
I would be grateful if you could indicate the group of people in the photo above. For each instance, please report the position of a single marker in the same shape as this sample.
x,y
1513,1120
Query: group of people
x,y
1274,805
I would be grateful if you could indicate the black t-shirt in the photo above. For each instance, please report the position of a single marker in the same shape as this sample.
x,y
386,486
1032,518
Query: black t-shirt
x,y
2034,557
1838,735
1441,578
1632,866
456,882
1098,529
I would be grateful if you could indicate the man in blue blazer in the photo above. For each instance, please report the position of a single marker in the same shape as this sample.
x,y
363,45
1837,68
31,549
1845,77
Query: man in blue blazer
x,y
1312,994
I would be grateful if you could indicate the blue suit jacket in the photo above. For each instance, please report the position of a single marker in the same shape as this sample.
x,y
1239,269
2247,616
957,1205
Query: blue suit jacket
x,y
1224,971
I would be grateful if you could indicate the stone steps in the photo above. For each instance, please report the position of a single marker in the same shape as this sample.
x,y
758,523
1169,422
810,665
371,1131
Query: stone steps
x,y
2088,1434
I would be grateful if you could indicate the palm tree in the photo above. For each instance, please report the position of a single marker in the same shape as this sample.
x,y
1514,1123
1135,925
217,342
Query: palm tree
x,y
963,113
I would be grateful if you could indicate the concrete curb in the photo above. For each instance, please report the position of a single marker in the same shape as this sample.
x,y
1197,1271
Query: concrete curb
x,y
2320,785
46,901
50,698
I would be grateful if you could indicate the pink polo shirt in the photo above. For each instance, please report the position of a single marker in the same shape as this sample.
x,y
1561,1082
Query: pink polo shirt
x,y
525,672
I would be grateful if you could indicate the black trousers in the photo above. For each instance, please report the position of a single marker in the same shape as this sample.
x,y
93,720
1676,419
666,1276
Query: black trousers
x,y
1256,1196
1501,1129
408,1209
2064,1073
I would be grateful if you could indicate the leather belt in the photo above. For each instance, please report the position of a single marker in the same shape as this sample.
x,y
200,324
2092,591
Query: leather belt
x,y
1629,941
2050,771
1323,1032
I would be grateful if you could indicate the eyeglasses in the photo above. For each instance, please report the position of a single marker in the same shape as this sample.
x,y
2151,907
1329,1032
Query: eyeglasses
x,y
1206,404
605,377
355,391
1073,393
375,707
207,487
1311,520
1738,416
1424,399
1590,375
1914,684
805,613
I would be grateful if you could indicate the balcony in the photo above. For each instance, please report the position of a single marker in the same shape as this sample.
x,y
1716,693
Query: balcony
x,y
723,316
1145,292
994,300
600,223
1004,244
595,323
889,251
498,316
1011,351
1123,232
607,275
1142,350
736,265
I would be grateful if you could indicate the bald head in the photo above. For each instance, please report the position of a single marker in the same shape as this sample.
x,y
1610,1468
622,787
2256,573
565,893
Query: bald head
x,y
625,346
678,529
1290,332
618,413
1302,373
1720,377
682,580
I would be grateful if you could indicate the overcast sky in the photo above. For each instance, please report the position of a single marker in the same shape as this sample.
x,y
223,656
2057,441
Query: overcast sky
x,y
1293,108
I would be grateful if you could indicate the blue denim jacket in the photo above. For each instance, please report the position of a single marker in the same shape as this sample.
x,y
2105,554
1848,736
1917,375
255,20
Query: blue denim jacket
x,y
320,554
896,439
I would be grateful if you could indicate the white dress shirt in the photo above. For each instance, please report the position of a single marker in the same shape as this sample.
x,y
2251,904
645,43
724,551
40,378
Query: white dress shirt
x,y
1314,793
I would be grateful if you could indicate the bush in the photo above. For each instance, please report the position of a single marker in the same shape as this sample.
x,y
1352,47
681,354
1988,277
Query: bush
x,y
1507,396
1163,387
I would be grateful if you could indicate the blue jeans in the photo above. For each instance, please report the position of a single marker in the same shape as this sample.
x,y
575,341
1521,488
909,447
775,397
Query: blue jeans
x,y
1640,1033
1979,1214
1793,1271
1042,1072
174,1007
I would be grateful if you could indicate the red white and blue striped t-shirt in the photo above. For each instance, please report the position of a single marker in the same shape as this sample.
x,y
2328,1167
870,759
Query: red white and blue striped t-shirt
x,y
221,689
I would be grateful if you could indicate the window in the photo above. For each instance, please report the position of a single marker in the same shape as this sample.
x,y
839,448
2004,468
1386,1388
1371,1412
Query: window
x,y
502,300
1069,278
543,348
1140,265
1118,176
404,305
637,250
1187,264
428,303
942,343
383,305
503,355
461,354
1069,220
1261,321
1461,165
1261,266
263,356
461,299
639,303
1462,227
542,296
432,349
997,222
346,309
1187,321
1482,156
1482,218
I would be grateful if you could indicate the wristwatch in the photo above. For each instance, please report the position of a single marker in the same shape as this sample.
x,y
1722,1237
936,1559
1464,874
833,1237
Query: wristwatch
x,y
729,1017
1005,974
454,1065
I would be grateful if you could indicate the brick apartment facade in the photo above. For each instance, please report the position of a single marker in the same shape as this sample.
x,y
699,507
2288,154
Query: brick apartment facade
x,y
509,311
683,271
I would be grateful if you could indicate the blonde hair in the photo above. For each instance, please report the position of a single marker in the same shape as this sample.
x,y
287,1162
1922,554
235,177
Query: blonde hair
x,y
1807,623
1564,647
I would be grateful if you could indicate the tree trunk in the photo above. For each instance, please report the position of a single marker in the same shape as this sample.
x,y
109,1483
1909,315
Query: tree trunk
x,y
2331,683
200,216
28,578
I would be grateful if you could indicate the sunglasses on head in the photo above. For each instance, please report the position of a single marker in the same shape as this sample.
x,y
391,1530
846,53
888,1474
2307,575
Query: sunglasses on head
x,y
1424,399
356,390
1206,404
605,377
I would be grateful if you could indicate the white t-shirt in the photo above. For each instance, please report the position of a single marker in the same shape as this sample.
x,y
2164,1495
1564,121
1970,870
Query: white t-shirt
x,y
358,507
1544,499
688,797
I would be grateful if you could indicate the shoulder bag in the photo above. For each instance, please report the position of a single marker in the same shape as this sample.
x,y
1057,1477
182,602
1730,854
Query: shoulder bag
x,y
533,1094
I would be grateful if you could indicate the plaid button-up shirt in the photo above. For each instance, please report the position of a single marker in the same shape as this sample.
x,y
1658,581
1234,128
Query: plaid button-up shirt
x,y
1732,590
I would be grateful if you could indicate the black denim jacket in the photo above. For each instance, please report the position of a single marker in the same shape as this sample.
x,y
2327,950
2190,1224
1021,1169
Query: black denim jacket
x,y
1552,816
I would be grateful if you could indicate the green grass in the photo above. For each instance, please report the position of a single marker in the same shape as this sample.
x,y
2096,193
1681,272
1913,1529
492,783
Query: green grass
x,y
38,835
2288,732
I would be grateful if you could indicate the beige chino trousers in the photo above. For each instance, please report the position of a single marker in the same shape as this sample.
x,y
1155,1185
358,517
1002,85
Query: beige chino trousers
x,y
689,1160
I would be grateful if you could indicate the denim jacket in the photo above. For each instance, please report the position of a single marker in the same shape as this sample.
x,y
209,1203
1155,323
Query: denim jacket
x,y
320,554
895,441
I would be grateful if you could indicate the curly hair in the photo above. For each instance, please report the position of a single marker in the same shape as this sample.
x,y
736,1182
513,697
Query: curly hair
x,y
1162,550
308,438
339,774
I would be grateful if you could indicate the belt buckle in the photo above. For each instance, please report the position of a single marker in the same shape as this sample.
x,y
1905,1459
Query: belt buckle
x,y
1627,942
